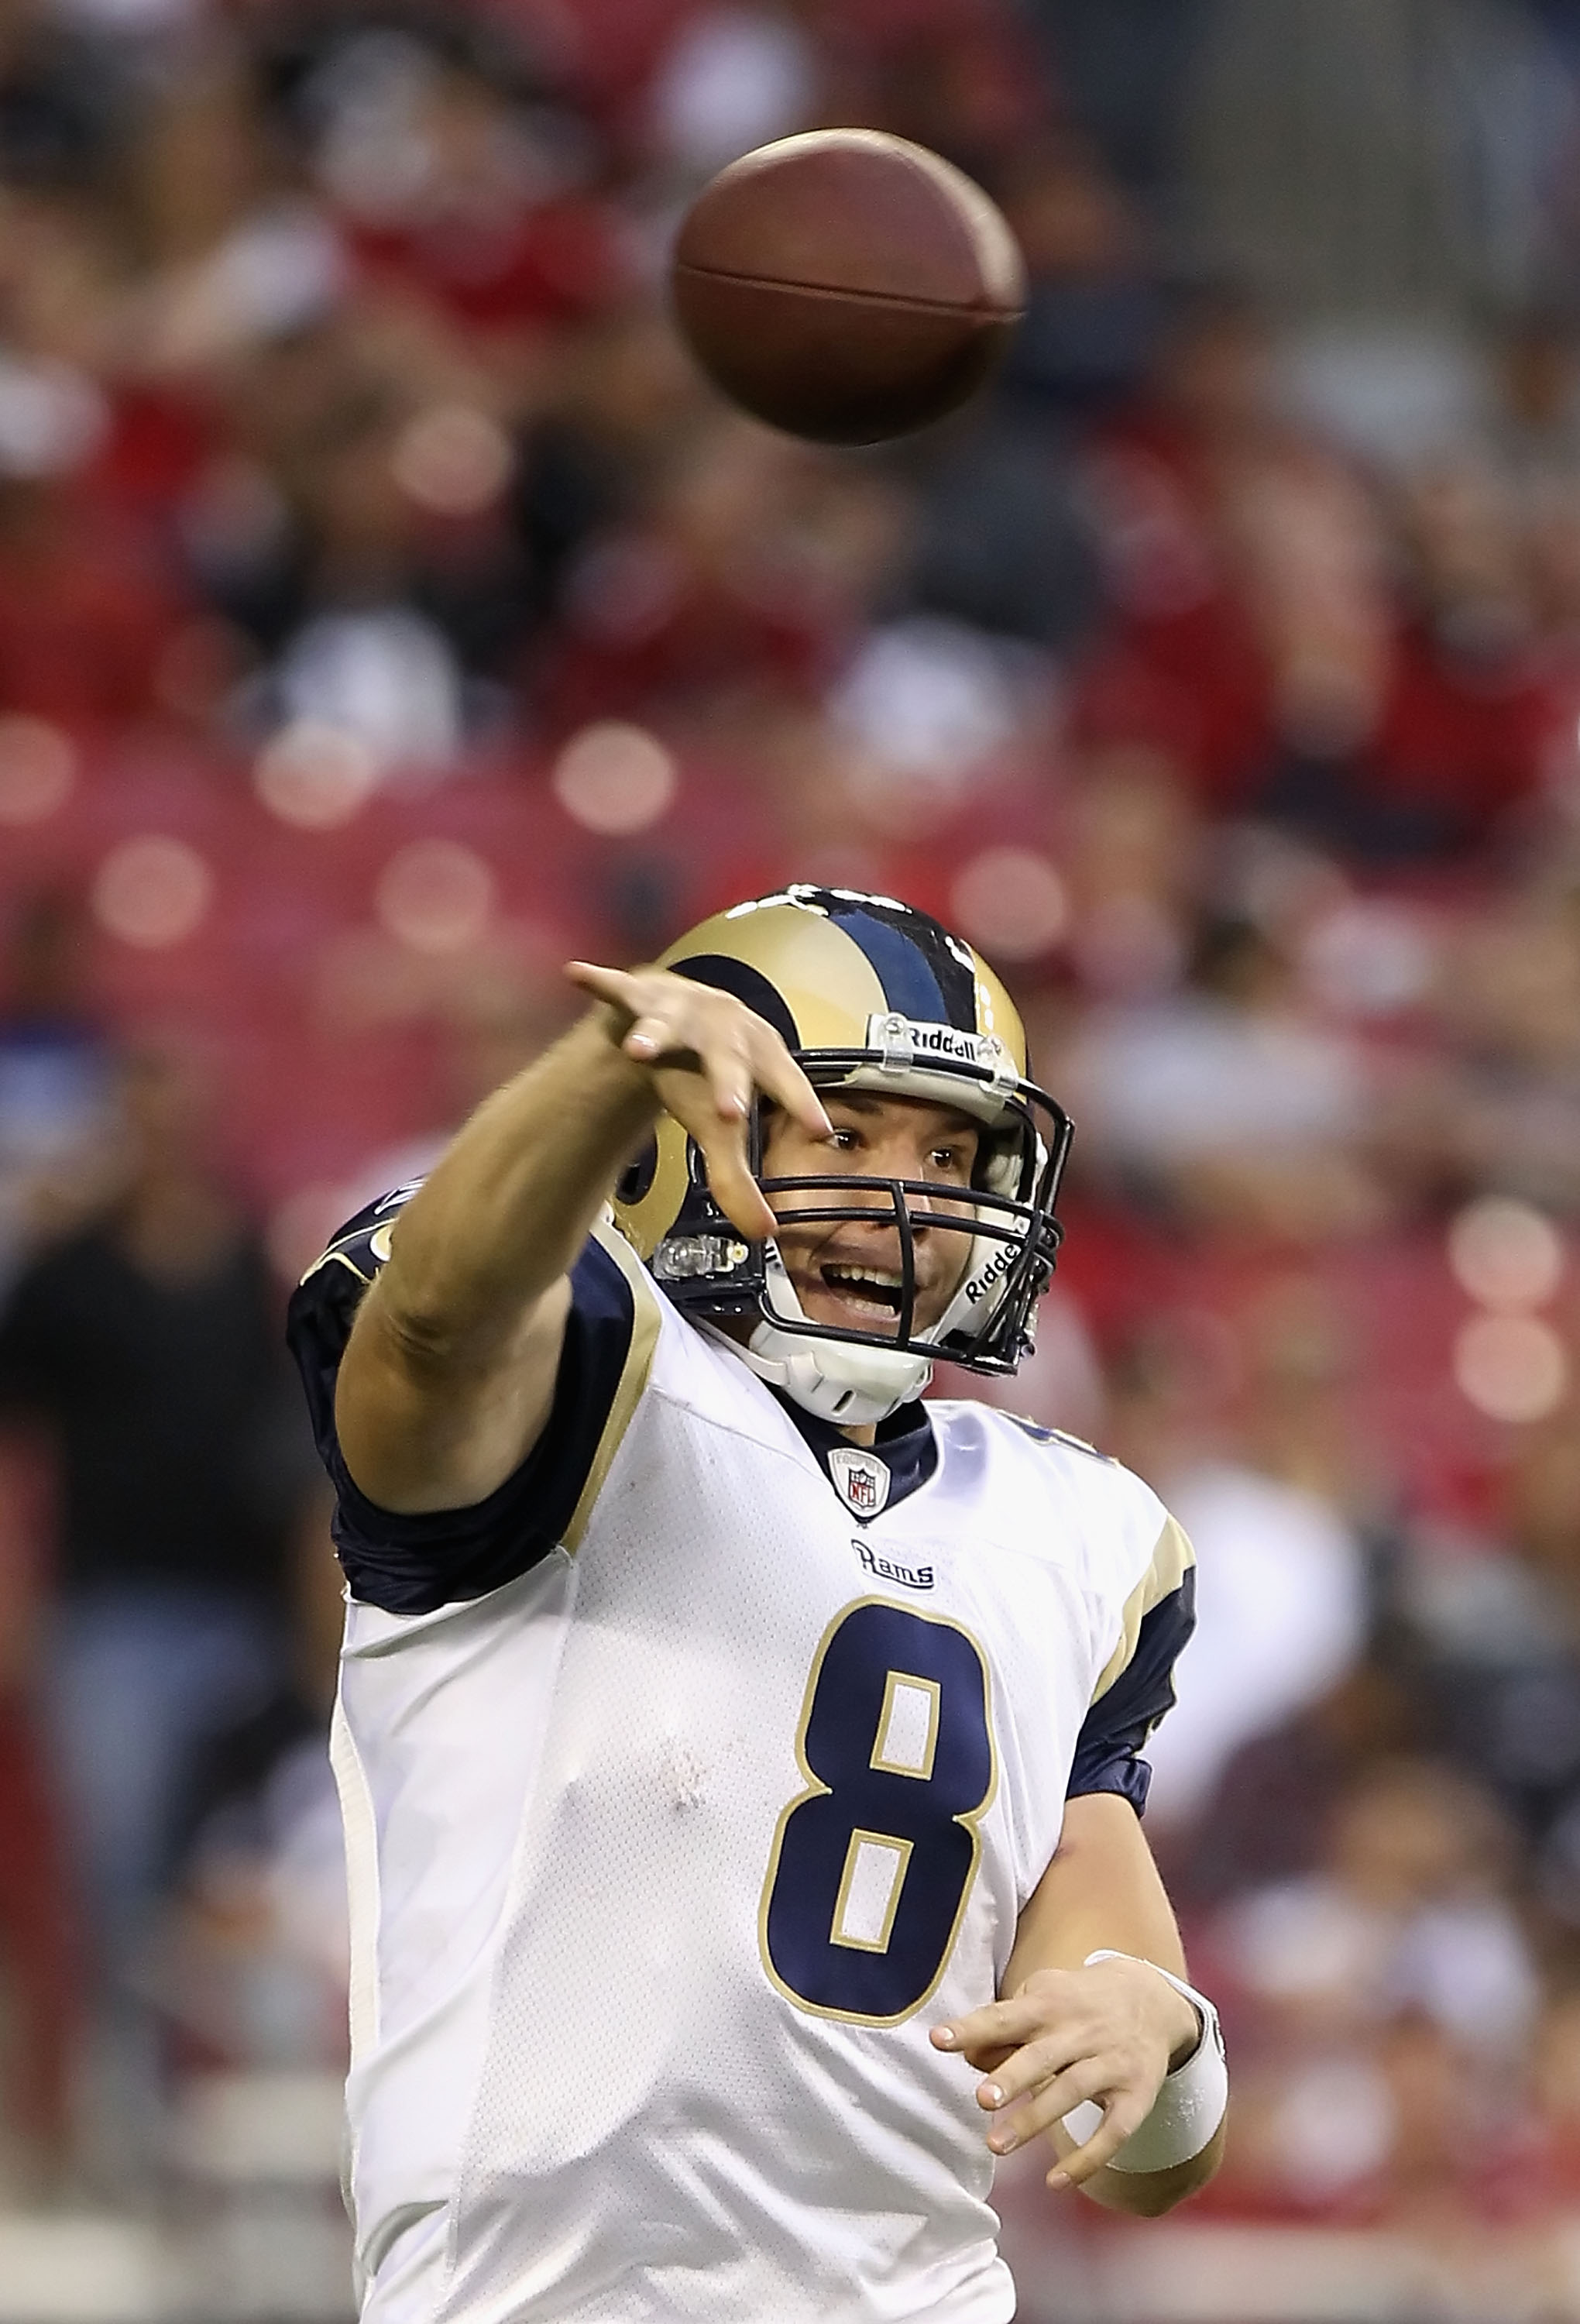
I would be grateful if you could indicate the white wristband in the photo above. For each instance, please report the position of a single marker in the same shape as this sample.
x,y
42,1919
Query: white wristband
x,y
1191,2104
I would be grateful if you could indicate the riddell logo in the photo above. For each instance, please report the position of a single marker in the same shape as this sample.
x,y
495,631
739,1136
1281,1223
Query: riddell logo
x,y
919,1037
996,1267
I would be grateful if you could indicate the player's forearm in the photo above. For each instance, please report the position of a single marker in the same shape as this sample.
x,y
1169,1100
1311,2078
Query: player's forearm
x,y
1101,1892
506,1210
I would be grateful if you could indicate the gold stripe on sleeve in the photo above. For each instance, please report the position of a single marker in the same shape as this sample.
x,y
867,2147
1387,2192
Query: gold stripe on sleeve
x,y
633,1378
1171,1560
340,1257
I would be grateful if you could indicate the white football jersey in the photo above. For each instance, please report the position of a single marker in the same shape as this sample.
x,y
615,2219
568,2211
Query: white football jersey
x,y
665,1854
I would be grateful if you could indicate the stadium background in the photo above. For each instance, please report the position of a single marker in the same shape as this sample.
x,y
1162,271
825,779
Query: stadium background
x,y
386,613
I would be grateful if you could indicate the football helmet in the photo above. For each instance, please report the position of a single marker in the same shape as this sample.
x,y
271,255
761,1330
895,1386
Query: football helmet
x,y
866,993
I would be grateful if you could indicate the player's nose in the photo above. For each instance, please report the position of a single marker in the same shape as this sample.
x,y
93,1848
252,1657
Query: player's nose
x,y
898,1156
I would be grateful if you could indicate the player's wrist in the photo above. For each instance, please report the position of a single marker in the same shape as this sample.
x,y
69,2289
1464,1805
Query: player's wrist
x,y
1194,2097
1187,2029
1180,2021
627,1078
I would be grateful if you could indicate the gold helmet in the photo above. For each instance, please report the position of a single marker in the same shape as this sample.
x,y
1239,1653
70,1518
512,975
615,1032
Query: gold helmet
x,y
866,993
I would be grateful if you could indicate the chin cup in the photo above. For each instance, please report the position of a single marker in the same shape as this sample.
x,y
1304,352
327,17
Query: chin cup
x,y
852,1382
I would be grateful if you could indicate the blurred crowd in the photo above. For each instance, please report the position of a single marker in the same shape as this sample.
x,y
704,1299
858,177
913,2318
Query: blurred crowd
x,y
386,607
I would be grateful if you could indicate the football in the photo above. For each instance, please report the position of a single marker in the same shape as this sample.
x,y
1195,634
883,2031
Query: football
x,y
846,285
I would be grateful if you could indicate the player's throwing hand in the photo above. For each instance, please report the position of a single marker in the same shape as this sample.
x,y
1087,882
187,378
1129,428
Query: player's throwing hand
x,y
1109,2034
708,1055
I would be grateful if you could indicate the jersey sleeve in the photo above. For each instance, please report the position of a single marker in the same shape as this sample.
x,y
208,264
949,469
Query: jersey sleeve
x,y
1137,1686
410,1564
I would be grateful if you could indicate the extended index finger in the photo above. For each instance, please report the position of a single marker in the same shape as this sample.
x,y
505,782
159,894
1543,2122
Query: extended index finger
x,y
613,984
778,1076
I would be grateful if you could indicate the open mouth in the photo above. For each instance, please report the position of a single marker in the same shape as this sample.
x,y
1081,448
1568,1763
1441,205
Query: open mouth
x,y
870,1290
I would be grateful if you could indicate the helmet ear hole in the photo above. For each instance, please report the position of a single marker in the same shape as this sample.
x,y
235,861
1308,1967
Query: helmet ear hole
x,y
1003,1163
636,1180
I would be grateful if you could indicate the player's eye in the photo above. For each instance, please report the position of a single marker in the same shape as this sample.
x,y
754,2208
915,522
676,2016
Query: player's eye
x,y
844,1141
948,1158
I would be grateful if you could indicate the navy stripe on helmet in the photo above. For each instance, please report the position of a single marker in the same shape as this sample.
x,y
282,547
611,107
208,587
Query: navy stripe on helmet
x,y
746,983
920,976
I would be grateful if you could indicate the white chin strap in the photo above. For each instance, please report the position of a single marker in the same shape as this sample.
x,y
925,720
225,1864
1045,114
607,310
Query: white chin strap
x,y
831,1379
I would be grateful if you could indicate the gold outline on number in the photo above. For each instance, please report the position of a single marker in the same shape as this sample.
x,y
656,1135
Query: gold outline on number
x,y
892,1845
923,1774
970,1820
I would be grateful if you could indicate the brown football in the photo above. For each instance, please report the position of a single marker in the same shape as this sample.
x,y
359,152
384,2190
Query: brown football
x,y
846,285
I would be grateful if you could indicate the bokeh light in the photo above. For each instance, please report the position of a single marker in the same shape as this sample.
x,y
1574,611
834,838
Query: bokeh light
x,y
38,770
615,779
1505,1253
1011,902
314,775
435,895
1512,1367
452,459
153,892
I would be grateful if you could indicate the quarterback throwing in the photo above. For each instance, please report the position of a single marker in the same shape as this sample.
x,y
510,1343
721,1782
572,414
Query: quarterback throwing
x,y
739,1757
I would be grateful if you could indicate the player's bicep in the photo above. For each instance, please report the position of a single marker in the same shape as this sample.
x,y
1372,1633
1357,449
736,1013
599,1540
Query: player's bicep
x,y
416,1437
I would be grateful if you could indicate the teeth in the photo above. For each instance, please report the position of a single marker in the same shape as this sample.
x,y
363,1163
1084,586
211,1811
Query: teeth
x,y
876,1291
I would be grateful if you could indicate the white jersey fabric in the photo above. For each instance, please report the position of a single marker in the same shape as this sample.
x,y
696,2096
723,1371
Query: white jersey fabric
x,y
666,1856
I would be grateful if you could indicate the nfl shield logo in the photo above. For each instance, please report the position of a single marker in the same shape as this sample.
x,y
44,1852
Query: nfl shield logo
x,y
861,1477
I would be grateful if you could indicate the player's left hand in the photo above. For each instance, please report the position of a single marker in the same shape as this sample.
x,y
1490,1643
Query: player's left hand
x,y
1109,2033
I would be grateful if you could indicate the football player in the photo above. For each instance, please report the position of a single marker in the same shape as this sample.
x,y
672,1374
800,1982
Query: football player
x,y
738,1755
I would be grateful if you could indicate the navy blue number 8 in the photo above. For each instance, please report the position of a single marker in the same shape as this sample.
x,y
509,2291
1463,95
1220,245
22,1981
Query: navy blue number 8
x,y
872,1865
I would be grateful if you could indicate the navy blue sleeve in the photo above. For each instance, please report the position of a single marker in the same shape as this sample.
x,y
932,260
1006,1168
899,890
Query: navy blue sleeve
x,y
1107,1748
411,1564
